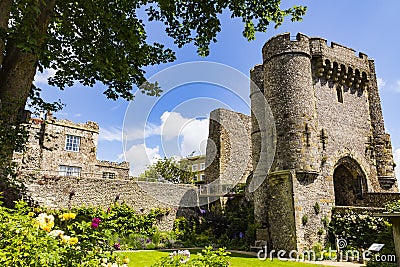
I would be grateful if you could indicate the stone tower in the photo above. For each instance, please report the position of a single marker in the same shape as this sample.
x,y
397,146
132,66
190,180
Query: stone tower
x,y
331,145
323,136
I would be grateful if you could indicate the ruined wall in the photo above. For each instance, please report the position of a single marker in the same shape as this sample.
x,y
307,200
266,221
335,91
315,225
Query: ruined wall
x,y
228,154
31,158
66,192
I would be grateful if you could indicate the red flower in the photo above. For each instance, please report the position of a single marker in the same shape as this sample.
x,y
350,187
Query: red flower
x,y
95,222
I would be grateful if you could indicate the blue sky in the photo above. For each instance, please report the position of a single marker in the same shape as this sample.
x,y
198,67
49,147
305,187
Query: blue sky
x,y
367,26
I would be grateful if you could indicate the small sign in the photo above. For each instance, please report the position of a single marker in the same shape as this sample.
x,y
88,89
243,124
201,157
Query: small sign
x,y
376,247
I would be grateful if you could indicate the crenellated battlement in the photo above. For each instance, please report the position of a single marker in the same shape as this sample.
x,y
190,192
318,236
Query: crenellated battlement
x,y
343,75
315,46
88,126
334,62
339,64
285,44
319,46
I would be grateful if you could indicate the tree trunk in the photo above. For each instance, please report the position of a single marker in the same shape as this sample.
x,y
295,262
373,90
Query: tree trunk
x,y
19,67
5,6
17,71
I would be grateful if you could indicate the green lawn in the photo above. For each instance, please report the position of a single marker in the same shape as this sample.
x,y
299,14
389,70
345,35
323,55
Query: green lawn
x,y
147,258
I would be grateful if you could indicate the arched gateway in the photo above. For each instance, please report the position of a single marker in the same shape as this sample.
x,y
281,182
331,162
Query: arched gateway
x,y
349,182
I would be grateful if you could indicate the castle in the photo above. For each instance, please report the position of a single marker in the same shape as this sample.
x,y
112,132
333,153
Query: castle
x,y
321,144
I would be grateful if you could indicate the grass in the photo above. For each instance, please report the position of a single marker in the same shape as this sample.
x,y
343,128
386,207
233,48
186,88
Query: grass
x,y
148,257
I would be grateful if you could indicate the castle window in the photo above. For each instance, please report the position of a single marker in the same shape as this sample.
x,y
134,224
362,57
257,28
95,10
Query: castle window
x,y
109,175
194,167
202,177
69,171
72,143
339,93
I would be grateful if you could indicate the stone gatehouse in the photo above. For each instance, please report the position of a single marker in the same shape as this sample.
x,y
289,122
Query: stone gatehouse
x,y
331,148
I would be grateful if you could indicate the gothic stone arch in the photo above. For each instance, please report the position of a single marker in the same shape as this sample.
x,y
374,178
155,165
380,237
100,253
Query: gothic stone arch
x,y
349,182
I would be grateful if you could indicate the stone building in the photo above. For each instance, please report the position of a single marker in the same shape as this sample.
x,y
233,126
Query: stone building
x,y
59,169
197,164
331,148
64,148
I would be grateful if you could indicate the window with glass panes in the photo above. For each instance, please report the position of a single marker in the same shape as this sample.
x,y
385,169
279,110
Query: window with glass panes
x,y
72,143
202,166
69,171
109,175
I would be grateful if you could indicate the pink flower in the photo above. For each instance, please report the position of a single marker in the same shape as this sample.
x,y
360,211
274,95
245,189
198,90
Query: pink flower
x,y
95,222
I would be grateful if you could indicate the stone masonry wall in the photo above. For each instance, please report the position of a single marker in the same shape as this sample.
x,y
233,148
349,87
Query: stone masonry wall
x,y
66,192
228,156
46,152
53,146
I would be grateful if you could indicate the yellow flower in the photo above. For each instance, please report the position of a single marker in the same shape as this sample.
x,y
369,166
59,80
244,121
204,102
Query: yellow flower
x,y
126,260
73,240
67,216
47,228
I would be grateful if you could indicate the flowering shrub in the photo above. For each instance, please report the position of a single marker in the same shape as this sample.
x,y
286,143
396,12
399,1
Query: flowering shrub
x,y
360,230
208,257
232,227
28,239
67,216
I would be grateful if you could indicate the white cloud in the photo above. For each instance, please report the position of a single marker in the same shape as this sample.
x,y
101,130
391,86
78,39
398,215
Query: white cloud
x,y
139,133
41,78
397,87
381,82
397,161
180,137
131,134
111,134
140,156
171,124
194,137
191,133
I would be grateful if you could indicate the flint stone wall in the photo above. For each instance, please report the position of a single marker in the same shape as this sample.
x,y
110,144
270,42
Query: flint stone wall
x,y
67,192
228,155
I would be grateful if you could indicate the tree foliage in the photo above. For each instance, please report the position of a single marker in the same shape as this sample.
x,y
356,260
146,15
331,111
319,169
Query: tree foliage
x,y
169,169
105,42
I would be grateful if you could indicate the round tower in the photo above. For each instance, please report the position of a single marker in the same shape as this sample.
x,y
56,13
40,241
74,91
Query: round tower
x,y
288,86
